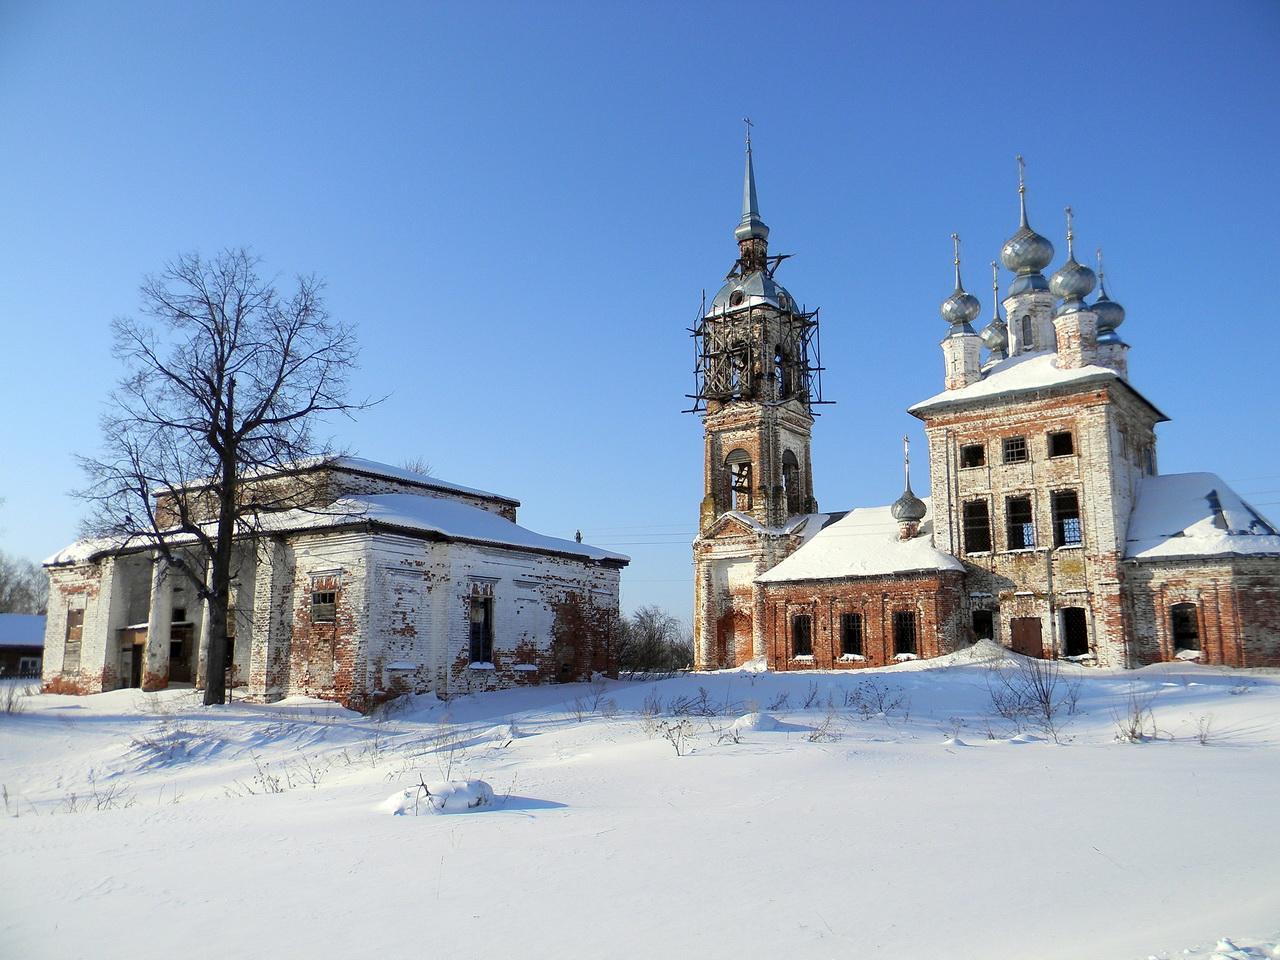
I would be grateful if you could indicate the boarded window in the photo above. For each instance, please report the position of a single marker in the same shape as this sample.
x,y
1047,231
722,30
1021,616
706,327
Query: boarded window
x,y
802,635
973,455
1061,444
1066,518
324,606
1185,625
1015,449
984,625
977,527
482,629
1075,632
851,634
904,631
1020,525
71,649
791,483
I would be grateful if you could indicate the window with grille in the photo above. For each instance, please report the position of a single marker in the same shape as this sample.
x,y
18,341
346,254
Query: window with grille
x,y
802,635
324,606
904,631
977,527
1066,519
71,648
973,455
1020,527
851,634
1015,450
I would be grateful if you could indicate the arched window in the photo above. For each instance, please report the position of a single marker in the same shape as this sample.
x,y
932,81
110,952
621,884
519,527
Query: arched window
x,y
791,483
782,372
1185,626
738,468
1027,339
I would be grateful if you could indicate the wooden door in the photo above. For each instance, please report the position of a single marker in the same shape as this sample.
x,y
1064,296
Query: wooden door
x,y
1025,636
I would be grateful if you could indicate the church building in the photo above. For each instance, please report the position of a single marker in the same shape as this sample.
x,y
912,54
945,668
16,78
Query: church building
x,y
1047,527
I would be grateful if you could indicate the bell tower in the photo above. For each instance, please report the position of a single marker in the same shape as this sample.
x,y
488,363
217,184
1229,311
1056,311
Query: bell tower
x,y
757,380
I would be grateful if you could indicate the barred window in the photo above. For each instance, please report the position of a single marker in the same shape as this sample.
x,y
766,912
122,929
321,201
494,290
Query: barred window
x,y
977,527
1020,525
1066,519
801,635
1015,450
851,634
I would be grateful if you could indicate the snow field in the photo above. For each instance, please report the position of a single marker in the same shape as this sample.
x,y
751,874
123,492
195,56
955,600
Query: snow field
x,y
888,812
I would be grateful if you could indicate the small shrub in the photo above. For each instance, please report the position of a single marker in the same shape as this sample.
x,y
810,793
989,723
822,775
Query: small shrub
x,y
1204,730
678,733
1135,723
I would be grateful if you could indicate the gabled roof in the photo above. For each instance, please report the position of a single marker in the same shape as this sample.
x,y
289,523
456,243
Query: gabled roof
x,y
1024,373
863,543
1180,515
21,629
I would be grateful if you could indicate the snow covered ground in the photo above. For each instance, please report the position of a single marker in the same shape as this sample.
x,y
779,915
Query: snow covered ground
x,y
885,813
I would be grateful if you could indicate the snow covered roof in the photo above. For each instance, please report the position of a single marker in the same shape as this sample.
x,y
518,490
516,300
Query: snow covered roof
x,y
374,468
1195,515
21,629
90,547
451,519
1023,372
862,543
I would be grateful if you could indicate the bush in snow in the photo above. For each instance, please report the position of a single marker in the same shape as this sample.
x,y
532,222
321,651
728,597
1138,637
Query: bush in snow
x,y
1032,693
1136,723
442,796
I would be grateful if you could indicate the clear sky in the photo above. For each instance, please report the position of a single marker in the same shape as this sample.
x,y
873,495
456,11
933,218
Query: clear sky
x,y
520,205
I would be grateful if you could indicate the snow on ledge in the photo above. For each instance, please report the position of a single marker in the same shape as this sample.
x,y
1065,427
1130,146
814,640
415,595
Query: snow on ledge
x,y
1187,655
851,657
525,668
481,666
904,657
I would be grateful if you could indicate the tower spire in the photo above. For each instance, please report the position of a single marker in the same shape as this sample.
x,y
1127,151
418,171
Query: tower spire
x,y
751,226
995,291
1071,237
955,243
906,463
1102,276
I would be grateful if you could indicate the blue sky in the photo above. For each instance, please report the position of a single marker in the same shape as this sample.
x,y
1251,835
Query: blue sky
x,y
520,205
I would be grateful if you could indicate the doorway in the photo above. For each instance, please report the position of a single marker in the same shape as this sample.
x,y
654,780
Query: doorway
x,y
1075,632
1025,636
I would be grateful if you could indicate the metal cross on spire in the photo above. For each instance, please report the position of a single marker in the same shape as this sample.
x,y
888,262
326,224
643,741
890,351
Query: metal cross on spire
x,y
955,242
1071,247
906,461
995,291
747,121
1022,189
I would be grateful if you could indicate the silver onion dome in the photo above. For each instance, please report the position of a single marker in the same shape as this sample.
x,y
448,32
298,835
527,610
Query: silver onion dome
x,y
961,308
1073,281
996,337
1110,314
1026,253
908,507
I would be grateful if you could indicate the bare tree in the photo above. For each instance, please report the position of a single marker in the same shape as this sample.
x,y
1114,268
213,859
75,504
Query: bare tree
x,y
417,465
654,641
225,380
24,588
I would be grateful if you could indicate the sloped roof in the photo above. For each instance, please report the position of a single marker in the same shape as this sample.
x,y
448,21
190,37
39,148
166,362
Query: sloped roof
x,y
1021,373
21,629
1195,515
863,543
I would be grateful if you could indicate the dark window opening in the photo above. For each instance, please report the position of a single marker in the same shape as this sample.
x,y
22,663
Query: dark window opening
x,y
740,484
1075,632
1061,444
984,625
1066,519
973,455
977,527
1186,626
324,606
1015,450
791,483
1020,527
739,373
782,373
1027,343
801,635
851,634
482,629
904,631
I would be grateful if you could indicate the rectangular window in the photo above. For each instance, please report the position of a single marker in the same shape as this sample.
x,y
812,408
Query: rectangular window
x,y
1066,518
324,606
1019,524
1015,449
851,634
1061,444
904,631
482,629
973,455
71,649
740,484
977,527
802,635
28,666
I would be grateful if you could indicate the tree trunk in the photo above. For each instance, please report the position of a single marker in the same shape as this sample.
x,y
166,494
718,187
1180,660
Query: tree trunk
x,y
215,688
